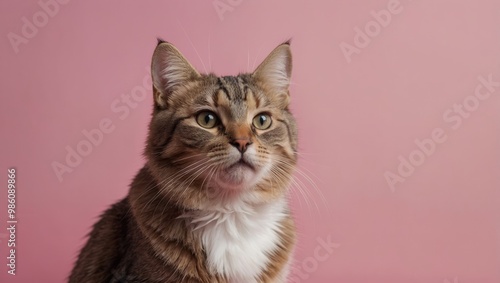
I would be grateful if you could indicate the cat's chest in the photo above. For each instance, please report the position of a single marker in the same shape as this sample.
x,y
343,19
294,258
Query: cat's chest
x,y
238,243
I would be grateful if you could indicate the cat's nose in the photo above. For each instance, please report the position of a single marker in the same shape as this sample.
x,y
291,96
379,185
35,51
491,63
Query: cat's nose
x,y
241,144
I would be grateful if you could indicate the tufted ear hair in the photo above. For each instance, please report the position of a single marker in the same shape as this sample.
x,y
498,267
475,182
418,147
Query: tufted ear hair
x,y
169,70
276,70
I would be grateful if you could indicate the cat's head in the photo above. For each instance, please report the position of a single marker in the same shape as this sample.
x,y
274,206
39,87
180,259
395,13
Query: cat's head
x,y
214,138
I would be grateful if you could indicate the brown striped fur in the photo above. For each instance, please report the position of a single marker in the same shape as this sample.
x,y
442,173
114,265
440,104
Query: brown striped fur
x,y
149,235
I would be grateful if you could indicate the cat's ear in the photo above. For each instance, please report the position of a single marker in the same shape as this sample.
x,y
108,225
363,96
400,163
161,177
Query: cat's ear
x,y
275,71
169,70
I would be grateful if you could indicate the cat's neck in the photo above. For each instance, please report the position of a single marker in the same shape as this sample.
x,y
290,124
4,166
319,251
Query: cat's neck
x,y
239,240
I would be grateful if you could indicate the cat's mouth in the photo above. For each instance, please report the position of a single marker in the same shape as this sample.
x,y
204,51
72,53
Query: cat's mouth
x,y
238,175
241,163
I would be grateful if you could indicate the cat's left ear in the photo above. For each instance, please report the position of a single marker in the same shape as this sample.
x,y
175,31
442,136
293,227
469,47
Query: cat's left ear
x,y
275,72
169,70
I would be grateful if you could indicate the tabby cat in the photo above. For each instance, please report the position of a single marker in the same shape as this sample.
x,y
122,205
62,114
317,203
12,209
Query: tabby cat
x,y
210,204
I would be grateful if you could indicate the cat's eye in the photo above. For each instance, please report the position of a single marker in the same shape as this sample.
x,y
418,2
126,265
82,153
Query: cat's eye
x,y
262,121
207,119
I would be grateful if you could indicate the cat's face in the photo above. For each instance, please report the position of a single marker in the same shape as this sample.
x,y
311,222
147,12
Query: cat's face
x,y
225,135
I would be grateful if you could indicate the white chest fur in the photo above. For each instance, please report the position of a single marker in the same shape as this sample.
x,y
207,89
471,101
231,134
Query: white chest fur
x,y
238,242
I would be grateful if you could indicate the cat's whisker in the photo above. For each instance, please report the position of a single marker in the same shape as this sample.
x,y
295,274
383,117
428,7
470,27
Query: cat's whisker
x,y
299,168
209,53
176,177
257,55
301,184
213,172
293,184
187,170
206,176
191,156
314,186
196,174
192,45
248,61
148,187
302,190
281,179
301,187
304,175
192,177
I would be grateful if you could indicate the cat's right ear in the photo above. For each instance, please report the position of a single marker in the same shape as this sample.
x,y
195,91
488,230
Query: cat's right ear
x,y
169,70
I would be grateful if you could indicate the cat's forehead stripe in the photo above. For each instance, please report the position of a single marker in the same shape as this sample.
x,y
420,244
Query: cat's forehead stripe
x,y
221,98
252,102
234,86
243,87
222,86
236,95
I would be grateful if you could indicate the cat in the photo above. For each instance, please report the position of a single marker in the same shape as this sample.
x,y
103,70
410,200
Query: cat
x,y
211,203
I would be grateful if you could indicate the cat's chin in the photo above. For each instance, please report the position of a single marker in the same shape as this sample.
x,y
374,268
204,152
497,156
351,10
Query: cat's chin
x,y
238,176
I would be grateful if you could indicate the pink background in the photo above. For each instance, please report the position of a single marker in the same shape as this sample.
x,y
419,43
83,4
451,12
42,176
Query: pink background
x,y
442,224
